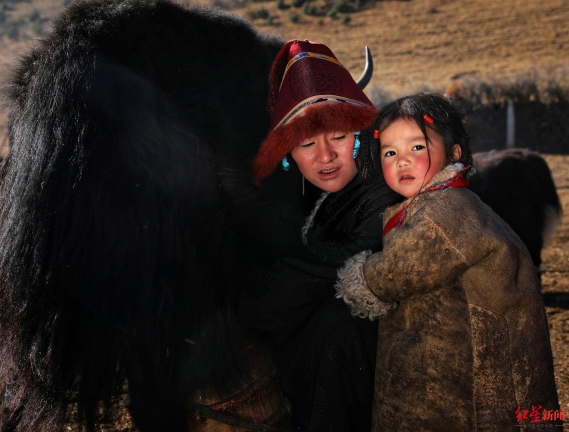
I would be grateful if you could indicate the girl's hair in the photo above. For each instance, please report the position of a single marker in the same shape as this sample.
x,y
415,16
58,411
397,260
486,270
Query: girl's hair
x,y
434,111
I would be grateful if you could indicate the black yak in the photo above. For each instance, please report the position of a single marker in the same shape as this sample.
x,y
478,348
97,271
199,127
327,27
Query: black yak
x,y
127,212
517,185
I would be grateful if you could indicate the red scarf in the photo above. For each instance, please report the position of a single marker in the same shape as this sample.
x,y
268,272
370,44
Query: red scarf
x,y
456,181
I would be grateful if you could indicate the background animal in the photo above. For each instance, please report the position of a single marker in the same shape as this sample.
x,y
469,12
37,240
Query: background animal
x,y
517,185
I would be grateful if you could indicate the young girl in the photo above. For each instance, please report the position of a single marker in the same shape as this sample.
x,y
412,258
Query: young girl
x,y
463,340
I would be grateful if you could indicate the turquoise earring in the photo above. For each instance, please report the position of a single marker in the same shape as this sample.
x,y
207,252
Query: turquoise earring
x,y
357,144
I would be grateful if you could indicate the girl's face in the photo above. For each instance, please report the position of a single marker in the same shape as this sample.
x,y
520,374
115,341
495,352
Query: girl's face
x,y
326,160
408,160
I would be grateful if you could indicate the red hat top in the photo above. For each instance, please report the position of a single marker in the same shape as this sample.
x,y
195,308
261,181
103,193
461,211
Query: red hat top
x,y
310,93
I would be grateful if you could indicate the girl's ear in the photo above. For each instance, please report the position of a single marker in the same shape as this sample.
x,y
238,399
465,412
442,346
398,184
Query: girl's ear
x,y
455,153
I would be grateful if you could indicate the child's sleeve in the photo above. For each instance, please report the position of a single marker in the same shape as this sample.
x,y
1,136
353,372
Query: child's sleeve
x,y
416,259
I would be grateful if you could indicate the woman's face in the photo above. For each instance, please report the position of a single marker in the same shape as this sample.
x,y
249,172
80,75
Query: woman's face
x,y
326,160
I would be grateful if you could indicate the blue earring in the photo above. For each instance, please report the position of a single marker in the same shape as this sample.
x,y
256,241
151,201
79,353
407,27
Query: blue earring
x,y
356,144
285,163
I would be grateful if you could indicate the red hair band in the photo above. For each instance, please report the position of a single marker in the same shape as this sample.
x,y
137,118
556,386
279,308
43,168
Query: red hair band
x,y
428,119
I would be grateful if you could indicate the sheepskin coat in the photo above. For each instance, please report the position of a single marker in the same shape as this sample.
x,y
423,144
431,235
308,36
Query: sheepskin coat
x,y
467,344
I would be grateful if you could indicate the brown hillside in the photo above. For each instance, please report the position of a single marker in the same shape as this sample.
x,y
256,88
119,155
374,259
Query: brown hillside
x,y
415,44
424,43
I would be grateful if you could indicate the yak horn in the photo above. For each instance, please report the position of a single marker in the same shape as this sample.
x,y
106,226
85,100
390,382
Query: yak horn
x,y
365,78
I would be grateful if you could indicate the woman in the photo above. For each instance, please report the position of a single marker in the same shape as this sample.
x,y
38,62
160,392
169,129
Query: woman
x,y
326,357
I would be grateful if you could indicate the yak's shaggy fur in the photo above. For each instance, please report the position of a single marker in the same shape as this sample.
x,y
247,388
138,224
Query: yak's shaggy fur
x,y
123,204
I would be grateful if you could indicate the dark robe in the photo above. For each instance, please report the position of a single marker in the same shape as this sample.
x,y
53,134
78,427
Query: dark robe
x,y
325,355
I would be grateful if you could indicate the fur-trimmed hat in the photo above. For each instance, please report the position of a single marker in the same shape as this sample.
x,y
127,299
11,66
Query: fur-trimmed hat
x,y
310,93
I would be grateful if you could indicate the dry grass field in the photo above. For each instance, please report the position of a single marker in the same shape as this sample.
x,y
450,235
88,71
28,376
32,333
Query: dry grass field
x,y
424,43
418,45
555,282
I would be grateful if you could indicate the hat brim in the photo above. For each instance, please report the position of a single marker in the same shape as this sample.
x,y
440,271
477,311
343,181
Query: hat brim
x,y
314,120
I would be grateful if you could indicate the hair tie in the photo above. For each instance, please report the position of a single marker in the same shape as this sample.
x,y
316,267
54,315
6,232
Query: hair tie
x,y
428,118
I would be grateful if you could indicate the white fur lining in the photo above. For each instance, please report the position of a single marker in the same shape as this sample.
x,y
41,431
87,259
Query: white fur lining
x,y
447,172
310,219
352,288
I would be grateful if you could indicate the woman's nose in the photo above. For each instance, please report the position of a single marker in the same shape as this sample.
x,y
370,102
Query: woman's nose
x,y
326,152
